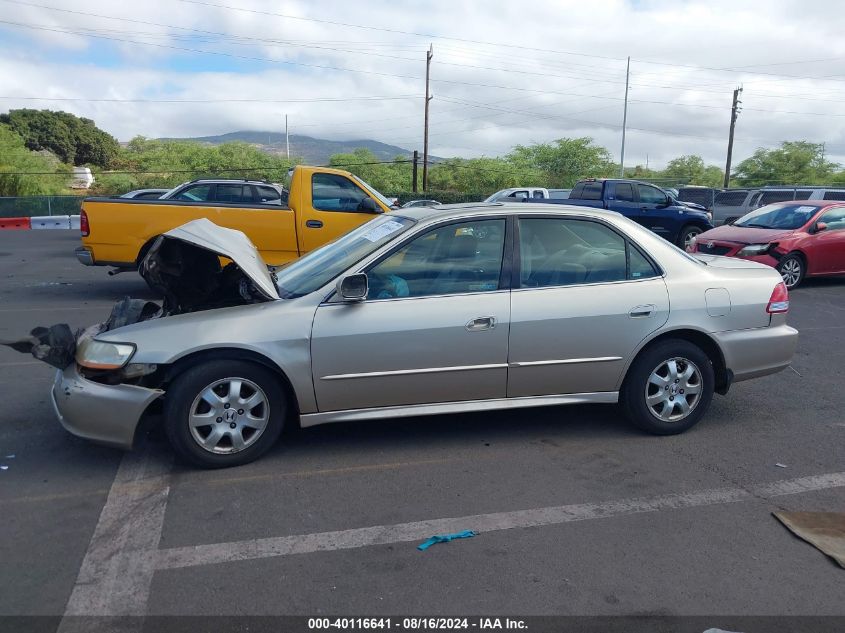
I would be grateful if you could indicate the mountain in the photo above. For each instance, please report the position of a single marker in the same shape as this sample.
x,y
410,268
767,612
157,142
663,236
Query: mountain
x,y
315,151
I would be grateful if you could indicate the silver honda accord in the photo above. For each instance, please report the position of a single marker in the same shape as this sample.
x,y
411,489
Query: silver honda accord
x,y
425,311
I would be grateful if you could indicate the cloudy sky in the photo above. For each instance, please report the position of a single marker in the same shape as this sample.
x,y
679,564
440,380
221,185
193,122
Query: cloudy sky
x,y
503,72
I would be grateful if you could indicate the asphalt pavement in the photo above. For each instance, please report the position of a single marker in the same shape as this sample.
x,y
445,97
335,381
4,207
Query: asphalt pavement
x,y
578,513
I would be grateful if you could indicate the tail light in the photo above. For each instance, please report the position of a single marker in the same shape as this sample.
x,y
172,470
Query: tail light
x,y
83,224
779,301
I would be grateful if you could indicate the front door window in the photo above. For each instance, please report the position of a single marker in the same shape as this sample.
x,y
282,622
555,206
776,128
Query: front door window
x,y
451,259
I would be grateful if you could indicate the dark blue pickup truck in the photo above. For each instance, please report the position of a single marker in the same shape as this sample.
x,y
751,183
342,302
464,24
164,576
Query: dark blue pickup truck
x,y
678,222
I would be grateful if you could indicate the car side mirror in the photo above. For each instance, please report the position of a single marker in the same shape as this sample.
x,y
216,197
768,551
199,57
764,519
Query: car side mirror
x,y
820,226
353,287
368,205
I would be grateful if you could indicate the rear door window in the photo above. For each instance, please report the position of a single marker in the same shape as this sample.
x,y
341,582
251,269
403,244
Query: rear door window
x,y
268,195
197,193
834,195
624,192
234,193
565,252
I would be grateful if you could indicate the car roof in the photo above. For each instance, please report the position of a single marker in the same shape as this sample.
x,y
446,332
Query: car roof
x,y
228,180
470,209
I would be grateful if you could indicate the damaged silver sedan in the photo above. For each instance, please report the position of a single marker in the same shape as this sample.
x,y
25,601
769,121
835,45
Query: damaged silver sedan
x,y
465,308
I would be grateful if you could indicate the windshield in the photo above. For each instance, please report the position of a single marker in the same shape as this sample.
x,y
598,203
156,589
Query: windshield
x,y
375,192
778,216
322,265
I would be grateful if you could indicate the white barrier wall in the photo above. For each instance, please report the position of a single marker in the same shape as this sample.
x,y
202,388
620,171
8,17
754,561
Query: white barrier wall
x,y
50,222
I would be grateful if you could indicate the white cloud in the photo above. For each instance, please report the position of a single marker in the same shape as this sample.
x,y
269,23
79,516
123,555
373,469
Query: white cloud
x,y
542,95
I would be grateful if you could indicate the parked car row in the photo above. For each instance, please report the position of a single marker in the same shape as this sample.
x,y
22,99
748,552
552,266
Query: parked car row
x,y
728,205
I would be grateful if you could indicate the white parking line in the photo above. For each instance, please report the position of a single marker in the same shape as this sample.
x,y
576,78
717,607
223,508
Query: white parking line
x,y
118,567
179,557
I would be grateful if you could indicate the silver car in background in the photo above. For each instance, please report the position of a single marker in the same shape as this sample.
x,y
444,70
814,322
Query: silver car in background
x,y
425,311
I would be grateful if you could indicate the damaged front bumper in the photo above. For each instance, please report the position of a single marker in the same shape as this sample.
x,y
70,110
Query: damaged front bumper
x,y
107,414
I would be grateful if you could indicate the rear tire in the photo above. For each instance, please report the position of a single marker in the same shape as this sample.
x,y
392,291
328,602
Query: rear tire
x,y
224,413
792,270
668,388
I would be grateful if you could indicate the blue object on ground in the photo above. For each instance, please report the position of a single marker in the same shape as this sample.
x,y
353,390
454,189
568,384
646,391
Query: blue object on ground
x,y
444,538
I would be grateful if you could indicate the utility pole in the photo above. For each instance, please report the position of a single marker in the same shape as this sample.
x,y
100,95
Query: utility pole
x,y
734,113
624,120
429,54
287,138
414,171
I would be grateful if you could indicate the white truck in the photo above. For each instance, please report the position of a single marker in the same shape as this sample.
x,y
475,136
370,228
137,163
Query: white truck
x,y
537,193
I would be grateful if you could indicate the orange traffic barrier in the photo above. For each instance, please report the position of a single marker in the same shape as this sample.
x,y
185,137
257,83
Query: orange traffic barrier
x,y
14,223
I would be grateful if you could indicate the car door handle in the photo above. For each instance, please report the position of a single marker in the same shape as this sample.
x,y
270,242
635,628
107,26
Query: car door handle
x,y
641,312
314,224
481,323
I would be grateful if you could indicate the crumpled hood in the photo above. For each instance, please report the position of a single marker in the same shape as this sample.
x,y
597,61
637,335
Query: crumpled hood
x,y
743,235
232,244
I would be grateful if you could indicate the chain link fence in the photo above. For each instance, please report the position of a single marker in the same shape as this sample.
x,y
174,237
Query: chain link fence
x,y
29,206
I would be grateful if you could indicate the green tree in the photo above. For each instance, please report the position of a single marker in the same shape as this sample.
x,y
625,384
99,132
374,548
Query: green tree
x,y
74,140
565,161
385,176
482,175
26,173
690,169
794,162
147,163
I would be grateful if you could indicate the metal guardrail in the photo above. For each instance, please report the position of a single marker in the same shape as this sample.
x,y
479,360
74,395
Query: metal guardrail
x,y
29,206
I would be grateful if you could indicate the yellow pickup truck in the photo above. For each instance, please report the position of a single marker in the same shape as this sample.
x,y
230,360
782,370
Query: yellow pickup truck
x,y
320,205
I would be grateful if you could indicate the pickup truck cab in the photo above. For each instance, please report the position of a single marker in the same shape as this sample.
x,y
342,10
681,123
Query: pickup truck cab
x,y
320,205
522,193
646,204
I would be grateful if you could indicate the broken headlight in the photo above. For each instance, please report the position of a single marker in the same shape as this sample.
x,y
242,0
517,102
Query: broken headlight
x,y
101,355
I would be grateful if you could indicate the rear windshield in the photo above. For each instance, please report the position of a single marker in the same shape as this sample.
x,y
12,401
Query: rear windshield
x,y
779,216
587,191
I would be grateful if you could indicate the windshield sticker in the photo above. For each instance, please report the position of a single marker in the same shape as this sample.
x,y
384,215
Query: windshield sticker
x,y
805,209
374,235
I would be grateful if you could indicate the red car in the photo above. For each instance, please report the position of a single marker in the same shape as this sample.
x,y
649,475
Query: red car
x,y
800,238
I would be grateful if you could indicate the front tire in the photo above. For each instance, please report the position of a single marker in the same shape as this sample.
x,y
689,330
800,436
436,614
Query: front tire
x,y
224,413
668,388
687,235
792,270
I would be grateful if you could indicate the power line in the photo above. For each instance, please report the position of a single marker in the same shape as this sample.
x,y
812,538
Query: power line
x,y
198,169
314,100
396,31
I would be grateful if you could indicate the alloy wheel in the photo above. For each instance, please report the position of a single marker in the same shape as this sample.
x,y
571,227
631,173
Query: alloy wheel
x,y
790,271
673,389
229,415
